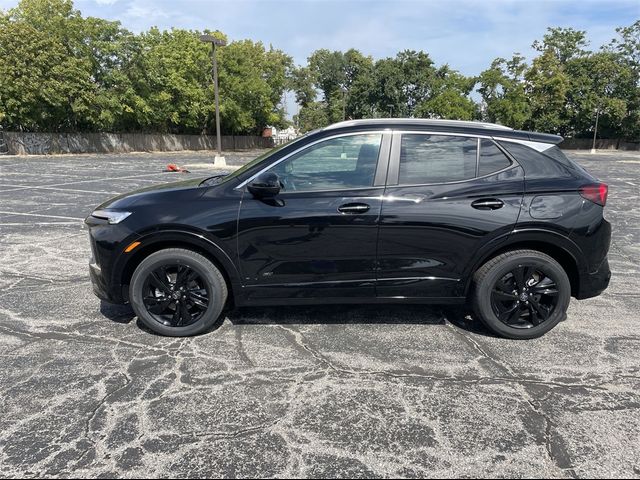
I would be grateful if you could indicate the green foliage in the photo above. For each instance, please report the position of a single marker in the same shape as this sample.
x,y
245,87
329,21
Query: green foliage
x,y
46,80
546,88
301,82
627,47
312,116
564,43
351,85
449,97
502,88
565,84
60,71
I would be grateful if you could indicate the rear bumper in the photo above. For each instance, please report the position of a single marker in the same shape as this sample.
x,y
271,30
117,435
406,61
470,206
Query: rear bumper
x,y
593,284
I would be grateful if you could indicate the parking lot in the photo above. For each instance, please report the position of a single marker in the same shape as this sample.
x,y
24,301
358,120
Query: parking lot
x,y
350,391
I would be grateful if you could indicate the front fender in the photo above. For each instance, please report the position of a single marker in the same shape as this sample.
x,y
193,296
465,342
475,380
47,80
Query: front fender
x,y
153,241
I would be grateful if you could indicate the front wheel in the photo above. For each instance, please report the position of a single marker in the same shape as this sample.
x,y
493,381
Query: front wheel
x,y
521,294
177,292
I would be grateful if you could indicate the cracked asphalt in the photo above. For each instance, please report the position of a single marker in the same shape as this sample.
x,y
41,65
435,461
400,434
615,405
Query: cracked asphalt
x,y
339,391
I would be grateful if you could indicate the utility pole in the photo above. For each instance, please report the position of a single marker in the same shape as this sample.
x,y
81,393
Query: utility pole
x,y
219,159
595,131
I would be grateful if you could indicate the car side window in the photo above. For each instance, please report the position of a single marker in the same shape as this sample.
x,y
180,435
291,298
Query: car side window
x,y
491,158
339,163
428,159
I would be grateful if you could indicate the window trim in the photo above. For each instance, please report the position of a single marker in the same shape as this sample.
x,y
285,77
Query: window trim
x,y
381,165
393,179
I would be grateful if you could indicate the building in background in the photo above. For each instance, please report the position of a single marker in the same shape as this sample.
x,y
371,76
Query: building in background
x,y
282,135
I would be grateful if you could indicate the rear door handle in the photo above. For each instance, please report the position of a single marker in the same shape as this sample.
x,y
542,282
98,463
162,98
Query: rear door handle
x,y
487,204
354,208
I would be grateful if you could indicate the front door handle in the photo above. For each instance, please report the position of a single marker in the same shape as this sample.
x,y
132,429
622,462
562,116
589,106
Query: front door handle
x,y
354,208
488,204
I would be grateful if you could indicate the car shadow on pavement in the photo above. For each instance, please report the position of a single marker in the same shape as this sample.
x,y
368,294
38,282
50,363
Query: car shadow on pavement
x,y
117,313
457,315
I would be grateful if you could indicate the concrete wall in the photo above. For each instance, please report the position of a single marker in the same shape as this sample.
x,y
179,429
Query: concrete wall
x,y
22,143
601,144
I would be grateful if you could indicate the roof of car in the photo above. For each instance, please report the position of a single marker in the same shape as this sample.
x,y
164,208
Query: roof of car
x,y
456,126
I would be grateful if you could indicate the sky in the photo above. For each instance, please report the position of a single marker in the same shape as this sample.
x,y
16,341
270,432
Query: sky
x,y
466,34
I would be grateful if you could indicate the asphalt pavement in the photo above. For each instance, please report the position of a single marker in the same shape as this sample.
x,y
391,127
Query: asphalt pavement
x,y
327,391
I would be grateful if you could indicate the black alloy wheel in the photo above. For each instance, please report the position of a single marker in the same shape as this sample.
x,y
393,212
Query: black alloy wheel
x,y
524,297
178,292
175,295
521,294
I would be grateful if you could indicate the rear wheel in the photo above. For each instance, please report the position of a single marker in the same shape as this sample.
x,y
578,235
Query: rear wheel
x,y
521,294
177,292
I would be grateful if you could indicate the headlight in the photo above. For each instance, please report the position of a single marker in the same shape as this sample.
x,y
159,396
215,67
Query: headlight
x,y
112,216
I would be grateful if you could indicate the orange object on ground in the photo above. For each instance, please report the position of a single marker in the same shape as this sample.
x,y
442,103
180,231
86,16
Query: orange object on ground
x,y
172,167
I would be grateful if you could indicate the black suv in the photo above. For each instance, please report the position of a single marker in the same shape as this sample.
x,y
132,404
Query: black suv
x,y
383,211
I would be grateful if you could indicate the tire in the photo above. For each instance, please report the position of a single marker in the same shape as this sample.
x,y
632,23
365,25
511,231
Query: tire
x,y
513,306
198,284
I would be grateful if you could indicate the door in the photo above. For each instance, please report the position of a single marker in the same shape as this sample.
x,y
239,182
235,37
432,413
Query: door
x,y
447,196
317,237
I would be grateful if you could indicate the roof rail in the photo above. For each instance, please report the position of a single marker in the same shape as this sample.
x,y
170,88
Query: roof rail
x,y
418,121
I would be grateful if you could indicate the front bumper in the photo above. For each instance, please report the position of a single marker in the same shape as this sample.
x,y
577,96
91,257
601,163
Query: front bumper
x,y
593,284
101,289
106,241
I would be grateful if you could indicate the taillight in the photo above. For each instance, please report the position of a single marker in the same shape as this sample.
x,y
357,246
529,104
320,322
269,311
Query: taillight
x,y
596,193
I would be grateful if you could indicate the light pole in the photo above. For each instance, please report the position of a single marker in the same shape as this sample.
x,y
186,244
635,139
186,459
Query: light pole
x,y
595,131
344,103
215,42
391,108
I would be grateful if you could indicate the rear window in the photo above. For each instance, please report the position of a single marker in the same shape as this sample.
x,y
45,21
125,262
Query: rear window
x,y
558,155
538,164
426,159
491,158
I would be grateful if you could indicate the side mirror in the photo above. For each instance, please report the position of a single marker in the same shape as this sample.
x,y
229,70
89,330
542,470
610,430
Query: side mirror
x,y
265,186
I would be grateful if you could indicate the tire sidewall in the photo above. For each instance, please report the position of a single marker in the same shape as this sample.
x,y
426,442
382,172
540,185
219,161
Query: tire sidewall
x,y
484,288
200,264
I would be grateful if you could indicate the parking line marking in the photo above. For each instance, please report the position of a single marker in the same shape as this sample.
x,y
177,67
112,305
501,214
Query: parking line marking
x,y
55,189
36,223
53,186
41,215
111,178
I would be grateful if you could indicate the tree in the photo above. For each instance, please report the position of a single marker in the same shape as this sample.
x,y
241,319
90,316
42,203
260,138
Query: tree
x,y
564,43
547,86
252,81
62,72
312,116
627,46
358,85
46,80
302,83
598,82
403,82
170,74
502,87
449,97
343,81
